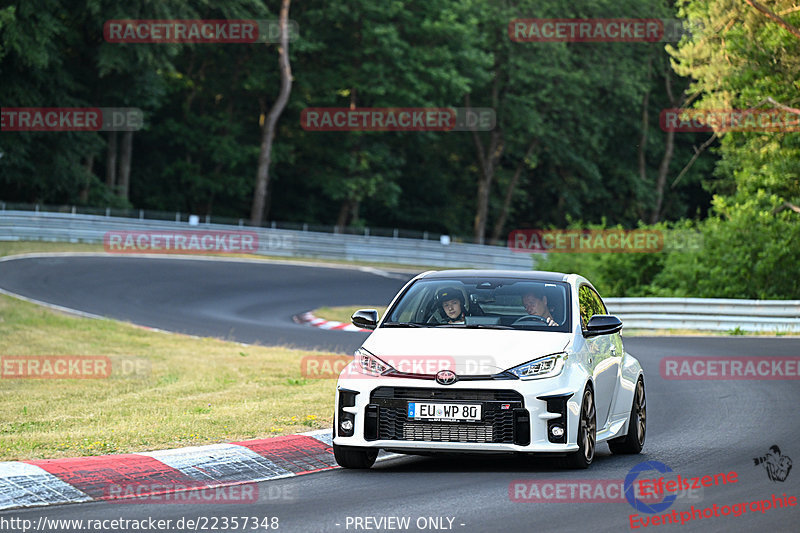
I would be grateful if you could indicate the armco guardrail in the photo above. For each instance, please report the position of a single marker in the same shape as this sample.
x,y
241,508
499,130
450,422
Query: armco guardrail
x,y
718,314
67,227
646,313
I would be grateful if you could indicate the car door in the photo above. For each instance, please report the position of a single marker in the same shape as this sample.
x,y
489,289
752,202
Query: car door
x,y
605,355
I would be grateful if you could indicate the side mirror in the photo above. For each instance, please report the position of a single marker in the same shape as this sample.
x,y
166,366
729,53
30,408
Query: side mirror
x,y
365,318
602,325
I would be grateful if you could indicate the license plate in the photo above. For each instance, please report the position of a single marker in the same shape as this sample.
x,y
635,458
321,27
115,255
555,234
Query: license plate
x,y
443,411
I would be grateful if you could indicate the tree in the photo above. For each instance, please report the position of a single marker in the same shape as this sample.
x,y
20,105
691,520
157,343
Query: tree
x,y
368,54
548,98
268,134
744,59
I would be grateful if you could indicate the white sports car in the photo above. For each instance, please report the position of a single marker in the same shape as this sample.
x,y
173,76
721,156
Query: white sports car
x,y
490,361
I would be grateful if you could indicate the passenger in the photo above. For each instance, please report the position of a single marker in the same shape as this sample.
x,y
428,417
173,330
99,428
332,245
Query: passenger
x,y
535,302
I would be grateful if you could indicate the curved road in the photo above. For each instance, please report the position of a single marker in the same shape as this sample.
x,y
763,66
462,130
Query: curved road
x,y
246,301
695,427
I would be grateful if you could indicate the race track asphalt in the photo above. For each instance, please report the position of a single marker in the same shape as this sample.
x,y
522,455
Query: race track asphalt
x,y
696,428
251,302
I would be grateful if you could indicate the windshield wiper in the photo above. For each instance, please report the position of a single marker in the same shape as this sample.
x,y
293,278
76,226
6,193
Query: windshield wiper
x,y
463,326
488,326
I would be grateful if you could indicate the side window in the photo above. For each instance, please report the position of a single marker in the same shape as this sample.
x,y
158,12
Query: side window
x,y
590,304
599,305
585,303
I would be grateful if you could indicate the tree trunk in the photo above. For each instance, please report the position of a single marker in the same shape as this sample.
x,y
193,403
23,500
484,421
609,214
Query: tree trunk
x,y
268,133
111,162
348,210
487,162
354,211
484,187
83,195
663,168
560,205
669,146
345,208
643,138
512,185
645,125
126,150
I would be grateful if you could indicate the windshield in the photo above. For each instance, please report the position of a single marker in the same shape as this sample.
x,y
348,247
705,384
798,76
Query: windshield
x,y
491,303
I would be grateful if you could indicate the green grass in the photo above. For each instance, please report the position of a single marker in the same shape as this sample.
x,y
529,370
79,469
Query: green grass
x,y
27,247
190,391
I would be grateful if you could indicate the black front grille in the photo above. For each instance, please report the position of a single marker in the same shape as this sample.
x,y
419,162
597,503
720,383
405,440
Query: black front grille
x,y
497,426
413,393
438,432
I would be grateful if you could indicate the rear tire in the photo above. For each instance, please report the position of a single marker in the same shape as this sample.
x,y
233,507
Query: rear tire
x,y
587,434
633,442
354,457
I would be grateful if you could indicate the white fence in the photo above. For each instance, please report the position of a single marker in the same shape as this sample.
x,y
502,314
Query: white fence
x,y
67,227
719,314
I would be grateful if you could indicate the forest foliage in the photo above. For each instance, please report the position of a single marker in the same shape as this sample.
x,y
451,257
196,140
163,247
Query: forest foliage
x,y
577,143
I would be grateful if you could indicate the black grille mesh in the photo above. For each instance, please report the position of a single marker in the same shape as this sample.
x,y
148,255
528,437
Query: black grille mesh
x,y
497,425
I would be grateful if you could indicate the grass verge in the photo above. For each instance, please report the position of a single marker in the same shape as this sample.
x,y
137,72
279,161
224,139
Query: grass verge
x,y
188,391
28,247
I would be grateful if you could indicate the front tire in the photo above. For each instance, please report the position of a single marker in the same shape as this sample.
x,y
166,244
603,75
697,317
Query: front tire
x,y
354,457
633,442
587,428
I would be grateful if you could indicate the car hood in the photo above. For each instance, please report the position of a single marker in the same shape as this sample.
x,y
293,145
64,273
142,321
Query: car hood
x,y
466,351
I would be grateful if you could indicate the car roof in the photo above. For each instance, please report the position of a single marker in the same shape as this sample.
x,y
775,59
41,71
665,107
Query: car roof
x,y
540,275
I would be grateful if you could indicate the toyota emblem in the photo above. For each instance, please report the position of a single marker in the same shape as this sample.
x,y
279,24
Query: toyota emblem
x,y
446,377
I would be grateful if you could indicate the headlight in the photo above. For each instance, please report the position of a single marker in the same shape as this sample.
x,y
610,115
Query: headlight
x,y
367,363
543,367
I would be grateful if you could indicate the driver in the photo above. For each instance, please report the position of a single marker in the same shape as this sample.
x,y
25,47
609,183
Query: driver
x,y
535,303
451,301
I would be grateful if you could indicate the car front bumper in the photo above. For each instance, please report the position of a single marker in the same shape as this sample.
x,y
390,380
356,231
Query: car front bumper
x,y
517,415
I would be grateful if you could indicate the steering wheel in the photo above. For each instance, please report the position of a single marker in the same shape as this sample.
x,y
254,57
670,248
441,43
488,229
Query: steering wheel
x,y
528,318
